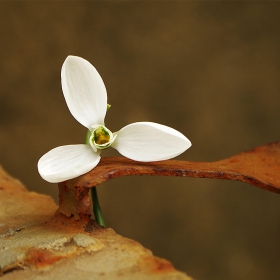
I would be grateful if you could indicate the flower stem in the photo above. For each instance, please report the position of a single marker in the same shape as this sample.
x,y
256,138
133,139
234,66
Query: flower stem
x,y
88,136
96,207
94,197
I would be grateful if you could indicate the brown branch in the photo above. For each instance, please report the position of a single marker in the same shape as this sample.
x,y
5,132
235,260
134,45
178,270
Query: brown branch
x,y
259,167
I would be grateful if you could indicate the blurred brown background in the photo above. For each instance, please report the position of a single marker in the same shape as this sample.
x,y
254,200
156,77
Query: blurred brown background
x,y
209,69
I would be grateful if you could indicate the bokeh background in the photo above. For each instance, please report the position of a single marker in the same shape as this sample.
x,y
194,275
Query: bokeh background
x,y
209,69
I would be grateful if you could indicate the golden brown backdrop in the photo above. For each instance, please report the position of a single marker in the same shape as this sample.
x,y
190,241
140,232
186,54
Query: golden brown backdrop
x,y
209,69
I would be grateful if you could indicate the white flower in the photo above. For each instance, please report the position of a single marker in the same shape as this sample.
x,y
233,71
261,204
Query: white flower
x,y
86,98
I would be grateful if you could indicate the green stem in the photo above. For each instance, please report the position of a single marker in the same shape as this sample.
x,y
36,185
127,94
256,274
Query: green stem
x,y
88,136
96,207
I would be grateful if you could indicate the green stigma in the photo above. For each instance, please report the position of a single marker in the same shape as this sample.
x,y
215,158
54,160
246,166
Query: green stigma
x,y
101,136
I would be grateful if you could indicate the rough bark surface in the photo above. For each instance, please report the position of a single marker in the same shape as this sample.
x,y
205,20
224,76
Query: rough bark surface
x,y
36,244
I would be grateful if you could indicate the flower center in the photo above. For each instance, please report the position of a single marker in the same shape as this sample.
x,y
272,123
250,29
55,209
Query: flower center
x,y
101,138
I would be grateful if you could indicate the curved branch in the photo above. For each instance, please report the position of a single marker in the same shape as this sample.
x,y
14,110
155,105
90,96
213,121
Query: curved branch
x,y
259,167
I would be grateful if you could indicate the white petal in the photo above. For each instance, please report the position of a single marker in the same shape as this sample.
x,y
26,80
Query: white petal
x,y
67,162
84,91
146,141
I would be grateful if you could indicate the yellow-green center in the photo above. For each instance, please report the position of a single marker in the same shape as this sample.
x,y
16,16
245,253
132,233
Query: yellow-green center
x,y
101,136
